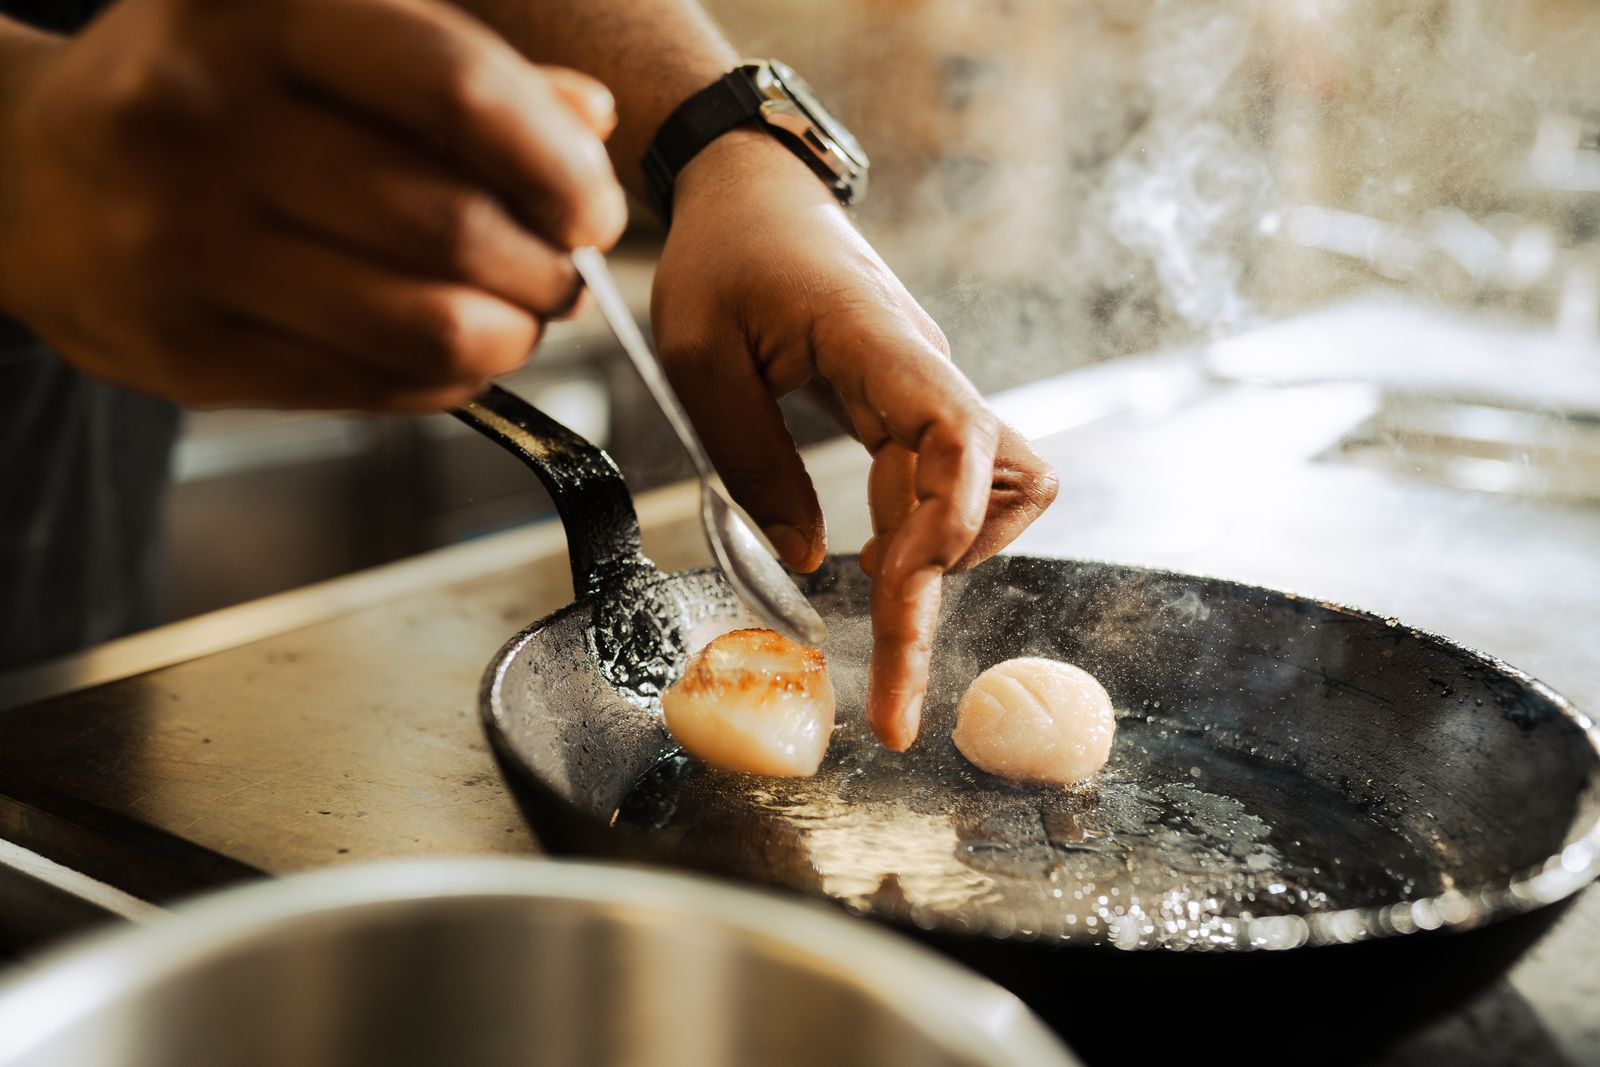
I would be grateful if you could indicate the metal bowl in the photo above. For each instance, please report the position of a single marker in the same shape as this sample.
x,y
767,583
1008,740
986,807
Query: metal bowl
x,y
490,962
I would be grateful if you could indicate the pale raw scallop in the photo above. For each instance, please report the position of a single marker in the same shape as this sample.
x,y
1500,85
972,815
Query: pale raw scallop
x,y
1036,720
753,700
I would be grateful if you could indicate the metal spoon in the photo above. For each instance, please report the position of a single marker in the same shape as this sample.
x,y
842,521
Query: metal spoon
x,y
755,575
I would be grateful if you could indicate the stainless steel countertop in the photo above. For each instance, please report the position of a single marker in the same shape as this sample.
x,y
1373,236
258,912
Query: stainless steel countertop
x,y
338,723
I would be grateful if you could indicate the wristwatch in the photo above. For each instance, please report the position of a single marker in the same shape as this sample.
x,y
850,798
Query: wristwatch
x,y
773,97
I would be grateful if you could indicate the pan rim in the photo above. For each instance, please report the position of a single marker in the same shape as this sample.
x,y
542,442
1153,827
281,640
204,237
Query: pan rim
x,y
1558,877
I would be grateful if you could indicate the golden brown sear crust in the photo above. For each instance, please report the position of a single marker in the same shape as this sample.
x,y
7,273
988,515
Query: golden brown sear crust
x,y
756,702
750,661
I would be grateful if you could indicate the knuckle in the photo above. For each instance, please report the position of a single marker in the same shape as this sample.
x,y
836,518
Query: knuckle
x,y
462,344
981,430
468,88
165,97
460,221
957,529
962,433
444,335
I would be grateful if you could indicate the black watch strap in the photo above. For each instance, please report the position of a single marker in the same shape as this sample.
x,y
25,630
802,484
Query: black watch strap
x,y
699,120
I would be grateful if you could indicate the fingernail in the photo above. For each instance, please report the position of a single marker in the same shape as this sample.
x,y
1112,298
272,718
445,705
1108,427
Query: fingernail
x,y
900,732
602,105
791,545
619,214
913,716
604,215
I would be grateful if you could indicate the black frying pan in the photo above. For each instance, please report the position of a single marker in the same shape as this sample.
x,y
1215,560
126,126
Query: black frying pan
x,y
1318,826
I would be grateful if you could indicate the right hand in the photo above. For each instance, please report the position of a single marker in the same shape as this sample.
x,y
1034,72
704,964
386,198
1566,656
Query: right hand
x,y
304,203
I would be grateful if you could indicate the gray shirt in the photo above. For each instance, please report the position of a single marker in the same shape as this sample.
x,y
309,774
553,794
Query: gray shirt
x,y
83,472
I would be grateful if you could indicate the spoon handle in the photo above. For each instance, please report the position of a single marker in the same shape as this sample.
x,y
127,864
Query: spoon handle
x,y
592,268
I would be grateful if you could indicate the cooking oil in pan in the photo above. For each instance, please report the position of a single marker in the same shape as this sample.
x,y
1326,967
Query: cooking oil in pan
x,y
1180,842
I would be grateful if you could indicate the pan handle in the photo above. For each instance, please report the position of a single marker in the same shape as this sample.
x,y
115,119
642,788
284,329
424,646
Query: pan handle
x,y
595,506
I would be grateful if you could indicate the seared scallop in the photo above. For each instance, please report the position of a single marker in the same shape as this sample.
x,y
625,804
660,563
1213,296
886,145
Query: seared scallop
x,y
1036,720
753,700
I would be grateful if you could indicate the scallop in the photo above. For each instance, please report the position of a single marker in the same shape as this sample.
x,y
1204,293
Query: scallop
x,y
755,701
1036,720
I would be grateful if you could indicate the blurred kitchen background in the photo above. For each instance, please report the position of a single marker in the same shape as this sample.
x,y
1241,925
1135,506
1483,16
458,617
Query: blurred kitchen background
x,y
1405,193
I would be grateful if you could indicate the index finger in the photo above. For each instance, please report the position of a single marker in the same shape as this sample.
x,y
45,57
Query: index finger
x,y
439,74
933,442
903,623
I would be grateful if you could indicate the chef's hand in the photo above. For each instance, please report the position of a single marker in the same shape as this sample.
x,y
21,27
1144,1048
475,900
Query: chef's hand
x,y
331,203
765,286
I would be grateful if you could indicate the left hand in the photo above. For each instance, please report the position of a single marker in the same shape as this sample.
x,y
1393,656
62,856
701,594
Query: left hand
x,y
765,287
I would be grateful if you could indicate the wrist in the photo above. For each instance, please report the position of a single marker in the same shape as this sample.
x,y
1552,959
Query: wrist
x,y
743,161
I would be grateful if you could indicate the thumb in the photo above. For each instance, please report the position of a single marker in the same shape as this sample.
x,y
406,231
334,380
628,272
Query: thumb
x,y
587,98
743,430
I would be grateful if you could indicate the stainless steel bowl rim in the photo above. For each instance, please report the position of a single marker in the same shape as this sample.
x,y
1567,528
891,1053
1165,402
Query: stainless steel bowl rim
x,y
959,1009
1554,879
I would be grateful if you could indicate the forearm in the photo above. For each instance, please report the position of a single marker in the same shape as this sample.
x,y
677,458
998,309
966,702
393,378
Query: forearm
x,y
652,54
22,48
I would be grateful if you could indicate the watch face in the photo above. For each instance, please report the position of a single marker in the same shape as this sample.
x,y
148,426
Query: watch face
x,y
816,112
